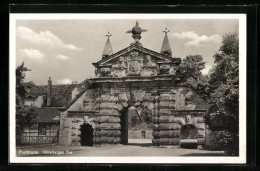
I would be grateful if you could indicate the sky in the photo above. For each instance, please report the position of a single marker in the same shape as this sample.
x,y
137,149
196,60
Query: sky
x,y
66,49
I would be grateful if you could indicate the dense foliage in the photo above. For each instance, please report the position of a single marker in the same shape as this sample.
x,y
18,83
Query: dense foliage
x,y
145,120
191,67
223,82
220,88
25,115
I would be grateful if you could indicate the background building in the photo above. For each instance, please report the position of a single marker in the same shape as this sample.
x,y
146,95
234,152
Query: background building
x,y
48,100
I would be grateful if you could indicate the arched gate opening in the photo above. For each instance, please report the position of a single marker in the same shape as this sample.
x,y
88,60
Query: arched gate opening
x,y
135,129
188,136
86,135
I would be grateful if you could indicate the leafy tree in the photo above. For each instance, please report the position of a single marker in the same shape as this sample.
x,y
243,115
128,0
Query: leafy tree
x,y
20,76
134,120
25,115
146,116
191,67
145,120
223,113
220,88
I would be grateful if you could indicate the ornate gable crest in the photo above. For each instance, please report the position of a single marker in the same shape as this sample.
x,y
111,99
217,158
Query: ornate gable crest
x,y
135,61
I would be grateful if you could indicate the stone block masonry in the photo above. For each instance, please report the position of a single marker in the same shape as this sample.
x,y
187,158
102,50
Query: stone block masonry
x,y
110,101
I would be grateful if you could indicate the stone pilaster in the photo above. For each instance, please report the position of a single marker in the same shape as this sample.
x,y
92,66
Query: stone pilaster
x,y
167,131
64,132
108,122
76,123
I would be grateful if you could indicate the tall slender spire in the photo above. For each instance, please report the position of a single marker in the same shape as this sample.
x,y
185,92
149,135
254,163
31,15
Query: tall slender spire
x,y
108,48
166,47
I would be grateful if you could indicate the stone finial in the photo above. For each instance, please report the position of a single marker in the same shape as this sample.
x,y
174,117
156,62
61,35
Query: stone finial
x,y
108,48
166,47
136,33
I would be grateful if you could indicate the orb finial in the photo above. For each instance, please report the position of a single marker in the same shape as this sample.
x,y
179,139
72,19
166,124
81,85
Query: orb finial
x,y
136,33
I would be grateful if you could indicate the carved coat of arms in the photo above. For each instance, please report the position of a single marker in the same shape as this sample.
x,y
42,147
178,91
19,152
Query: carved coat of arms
x,y
134,66
134,63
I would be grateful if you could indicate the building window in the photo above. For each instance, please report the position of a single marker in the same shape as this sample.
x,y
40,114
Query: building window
x,y
42,130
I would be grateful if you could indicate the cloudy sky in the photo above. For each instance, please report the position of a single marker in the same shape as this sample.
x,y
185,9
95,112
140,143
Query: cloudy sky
x,y
66,49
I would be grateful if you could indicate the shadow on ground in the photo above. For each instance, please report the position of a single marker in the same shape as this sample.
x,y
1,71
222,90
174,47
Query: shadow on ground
x,y
189,146
140,145
205,154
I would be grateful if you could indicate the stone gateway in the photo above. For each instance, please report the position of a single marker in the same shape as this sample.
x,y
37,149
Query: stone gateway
x,y
140,79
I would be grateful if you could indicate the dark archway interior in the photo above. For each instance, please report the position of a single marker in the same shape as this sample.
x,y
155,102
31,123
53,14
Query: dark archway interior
x,y
188,136
86,135
188,132
124,127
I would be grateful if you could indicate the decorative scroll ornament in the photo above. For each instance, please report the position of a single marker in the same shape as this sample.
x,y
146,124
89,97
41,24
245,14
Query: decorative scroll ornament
x,y
131,98
188,119
164,69
105,72
148,63
121,63
134,55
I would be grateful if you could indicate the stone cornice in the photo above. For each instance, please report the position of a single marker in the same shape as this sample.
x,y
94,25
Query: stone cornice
x,y
137,78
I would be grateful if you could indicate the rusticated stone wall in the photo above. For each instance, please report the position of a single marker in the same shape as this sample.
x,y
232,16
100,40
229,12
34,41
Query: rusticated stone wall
x,y
106,102
167,127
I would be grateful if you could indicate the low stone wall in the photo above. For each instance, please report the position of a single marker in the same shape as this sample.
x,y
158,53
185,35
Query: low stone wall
x,y
36,140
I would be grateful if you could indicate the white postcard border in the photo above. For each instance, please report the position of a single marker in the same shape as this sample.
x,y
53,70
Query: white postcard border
x,y
169,160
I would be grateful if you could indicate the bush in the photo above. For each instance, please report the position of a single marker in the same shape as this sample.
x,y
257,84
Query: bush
x,y
228,141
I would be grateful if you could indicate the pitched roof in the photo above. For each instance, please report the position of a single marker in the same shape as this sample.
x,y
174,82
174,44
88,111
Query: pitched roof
x,y
46,115
61,94
37,90
88,84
